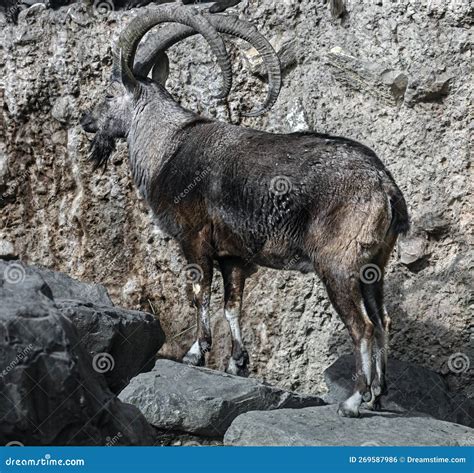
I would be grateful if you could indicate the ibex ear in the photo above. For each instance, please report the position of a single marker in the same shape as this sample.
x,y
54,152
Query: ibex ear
x,y
161,69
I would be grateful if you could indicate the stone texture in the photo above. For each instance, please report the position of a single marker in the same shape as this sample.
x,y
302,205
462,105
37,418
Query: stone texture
x,y
51,395
93,226
411,388
131,338
178,397
319,426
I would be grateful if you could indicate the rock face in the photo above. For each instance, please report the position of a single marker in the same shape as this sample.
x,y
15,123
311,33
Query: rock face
x,y
178,397
411,388
319,426
51,394
56,212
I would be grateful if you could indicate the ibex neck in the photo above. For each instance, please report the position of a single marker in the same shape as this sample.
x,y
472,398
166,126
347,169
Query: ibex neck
x,y
154,133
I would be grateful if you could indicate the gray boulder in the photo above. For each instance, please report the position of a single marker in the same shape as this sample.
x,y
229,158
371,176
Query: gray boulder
x,y
131,338
179,397
65,287
318,426
411,388
51,395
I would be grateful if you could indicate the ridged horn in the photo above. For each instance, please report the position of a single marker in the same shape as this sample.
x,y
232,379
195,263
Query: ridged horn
x,y
151,52
175,13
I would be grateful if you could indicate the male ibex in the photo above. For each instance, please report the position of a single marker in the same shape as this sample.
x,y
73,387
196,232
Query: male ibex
x,y
301,201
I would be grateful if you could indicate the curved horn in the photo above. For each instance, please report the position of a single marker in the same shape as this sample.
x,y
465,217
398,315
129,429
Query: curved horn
x,y
175,13
151,52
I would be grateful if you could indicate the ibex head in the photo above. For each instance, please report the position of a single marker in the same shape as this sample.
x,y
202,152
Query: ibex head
x,y
129,86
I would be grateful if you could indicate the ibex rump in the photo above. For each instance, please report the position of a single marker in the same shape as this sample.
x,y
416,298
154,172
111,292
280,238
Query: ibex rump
x,y
303,201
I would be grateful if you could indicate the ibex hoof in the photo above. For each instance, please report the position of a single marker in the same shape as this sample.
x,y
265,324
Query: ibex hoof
x,y
239,367
345,411
195,356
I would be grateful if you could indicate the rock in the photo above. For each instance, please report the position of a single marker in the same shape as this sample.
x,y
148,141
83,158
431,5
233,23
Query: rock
x,y
411,388
411,249
179,397
64,287
131,338
429,89
50,393
63,109
375,79
128,339
322,426
7,250
434,223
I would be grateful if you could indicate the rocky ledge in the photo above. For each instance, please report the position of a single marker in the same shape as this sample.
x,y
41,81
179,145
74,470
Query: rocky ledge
x,y
66,350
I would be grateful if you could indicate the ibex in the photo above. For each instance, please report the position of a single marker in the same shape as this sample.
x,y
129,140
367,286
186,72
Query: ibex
x,y
301,201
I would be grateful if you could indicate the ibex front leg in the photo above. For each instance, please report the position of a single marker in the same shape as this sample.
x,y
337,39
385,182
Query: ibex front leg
x,y
199,274
234,275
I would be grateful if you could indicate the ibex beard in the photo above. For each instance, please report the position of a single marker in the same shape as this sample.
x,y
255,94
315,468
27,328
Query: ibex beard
x,y
301,201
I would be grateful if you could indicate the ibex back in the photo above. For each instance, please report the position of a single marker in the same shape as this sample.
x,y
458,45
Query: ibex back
x,y
245,198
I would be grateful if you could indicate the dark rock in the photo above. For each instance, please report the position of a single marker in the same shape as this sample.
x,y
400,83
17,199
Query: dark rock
x,y
411,388
434,223
319,426
131,338
65,287
202,401
51,395
430,89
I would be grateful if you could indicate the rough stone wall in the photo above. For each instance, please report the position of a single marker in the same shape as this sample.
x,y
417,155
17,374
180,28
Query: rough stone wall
x,y
394,75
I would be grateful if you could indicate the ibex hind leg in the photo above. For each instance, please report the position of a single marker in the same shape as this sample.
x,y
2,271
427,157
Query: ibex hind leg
x,y
373,300
345,294
373,292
